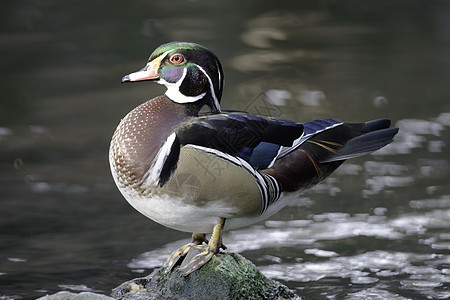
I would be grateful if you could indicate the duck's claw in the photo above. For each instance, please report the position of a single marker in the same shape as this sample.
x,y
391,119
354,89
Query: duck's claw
x,y
196,262
179,256
175,257
193,256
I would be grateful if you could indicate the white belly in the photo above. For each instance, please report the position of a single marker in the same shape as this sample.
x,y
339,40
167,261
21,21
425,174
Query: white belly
x,y
197,195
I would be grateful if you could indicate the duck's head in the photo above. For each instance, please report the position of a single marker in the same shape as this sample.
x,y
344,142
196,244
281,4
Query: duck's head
x,y
191,73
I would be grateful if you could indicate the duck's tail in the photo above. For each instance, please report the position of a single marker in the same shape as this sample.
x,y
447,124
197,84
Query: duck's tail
x,y
321,151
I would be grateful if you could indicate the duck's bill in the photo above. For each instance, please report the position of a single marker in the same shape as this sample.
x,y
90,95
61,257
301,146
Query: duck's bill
x,y
149,72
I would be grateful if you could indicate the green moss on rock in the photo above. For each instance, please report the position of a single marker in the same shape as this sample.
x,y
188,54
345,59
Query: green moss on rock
x,y
226,276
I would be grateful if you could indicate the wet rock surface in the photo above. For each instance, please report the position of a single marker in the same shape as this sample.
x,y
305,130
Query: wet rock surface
x,y
226,276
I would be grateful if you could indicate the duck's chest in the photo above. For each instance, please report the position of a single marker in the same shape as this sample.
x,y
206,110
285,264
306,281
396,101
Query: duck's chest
x,y
138,138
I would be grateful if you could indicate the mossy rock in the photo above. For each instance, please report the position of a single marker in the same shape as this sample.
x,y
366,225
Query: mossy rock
x,y
226,276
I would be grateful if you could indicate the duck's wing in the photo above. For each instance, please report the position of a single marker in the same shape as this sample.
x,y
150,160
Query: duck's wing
x,y
253,138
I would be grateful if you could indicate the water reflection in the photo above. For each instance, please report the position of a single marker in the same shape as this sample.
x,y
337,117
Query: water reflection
x,y
322,227
415,133
374,293
381,269
377,229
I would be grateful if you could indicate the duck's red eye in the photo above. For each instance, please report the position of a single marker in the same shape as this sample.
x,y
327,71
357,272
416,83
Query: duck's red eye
x,y
176,59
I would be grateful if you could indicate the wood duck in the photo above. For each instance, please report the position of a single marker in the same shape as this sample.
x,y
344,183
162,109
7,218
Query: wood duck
x,y
193,171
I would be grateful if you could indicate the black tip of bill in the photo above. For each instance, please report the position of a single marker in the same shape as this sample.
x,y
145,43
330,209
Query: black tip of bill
x,y
126,78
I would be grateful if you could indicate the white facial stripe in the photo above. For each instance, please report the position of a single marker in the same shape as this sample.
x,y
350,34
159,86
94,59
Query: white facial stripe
x,y
220,76
213,93
173,91
162,56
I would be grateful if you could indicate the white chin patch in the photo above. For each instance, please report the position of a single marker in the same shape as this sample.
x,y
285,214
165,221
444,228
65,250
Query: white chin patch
x,y
173,91
174,94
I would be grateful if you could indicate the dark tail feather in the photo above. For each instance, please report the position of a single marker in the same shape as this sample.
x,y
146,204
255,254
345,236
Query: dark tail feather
x,y
363,144
376,125
320,155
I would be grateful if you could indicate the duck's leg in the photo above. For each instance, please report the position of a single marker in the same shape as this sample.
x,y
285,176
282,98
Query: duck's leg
x,y
200,259
179,255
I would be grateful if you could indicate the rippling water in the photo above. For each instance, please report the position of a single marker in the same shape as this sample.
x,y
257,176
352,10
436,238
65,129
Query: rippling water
x,y
376,229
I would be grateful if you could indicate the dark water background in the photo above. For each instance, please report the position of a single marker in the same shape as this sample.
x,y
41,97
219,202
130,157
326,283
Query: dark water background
x,y
377,229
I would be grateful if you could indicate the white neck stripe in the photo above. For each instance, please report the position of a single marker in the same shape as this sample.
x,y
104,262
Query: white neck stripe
x,y
213,93
220,76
